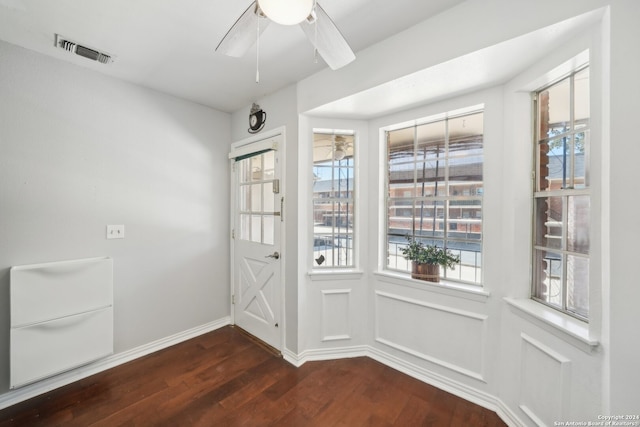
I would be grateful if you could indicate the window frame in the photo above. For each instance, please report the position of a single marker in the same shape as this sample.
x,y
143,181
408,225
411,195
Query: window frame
x,y
537,194
440,199
247,182
350,201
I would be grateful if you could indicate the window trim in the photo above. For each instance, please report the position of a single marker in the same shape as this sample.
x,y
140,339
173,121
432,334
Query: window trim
x,y
433,118
537,194
316,271
567,328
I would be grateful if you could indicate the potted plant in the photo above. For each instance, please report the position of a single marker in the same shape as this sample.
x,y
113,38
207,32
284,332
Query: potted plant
x,y
427,259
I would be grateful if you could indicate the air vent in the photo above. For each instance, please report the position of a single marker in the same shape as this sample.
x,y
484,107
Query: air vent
x,y
84,51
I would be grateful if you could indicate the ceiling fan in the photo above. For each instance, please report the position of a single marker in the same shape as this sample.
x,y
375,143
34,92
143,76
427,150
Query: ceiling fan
x,y
314,21
335,147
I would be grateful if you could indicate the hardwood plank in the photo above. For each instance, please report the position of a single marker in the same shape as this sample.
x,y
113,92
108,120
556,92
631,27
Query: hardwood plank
x,y
225,378
414,412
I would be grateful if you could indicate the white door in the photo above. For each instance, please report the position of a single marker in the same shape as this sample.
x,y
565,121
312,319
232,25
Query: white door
x,y
257,257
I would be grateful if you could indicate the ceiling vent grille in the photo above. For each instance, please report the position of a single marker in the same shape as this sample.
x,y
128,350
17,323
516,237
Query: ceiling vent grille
x,y
85,52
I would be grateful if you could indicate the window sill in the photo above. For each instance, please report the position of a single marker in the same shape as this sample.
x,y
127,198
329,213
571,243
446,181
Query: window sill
x,y
564,327
335,275
460,290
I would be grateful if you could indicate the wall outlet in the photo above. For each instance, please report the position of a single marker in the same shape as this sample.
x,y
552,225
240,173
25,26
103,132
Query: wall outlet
x,y
115,231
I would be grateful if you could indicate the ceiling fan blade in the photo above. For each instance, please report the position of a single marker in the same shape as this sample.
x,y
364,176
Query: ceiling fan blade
x,y
329,42
242,35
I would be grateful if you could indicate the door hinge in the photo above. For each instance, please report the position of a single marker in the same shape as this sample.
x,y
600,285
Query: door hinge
x,y
233,299
233,233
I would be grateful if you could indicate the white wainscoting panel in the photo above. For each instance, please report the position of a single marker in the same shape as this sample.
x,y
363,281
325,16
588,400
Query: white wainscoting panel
x,y
452,338
545,380
336,314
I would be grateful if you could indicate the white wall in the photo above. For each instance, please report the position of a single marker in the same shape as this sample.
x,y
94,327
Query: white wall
x,y
621,279
64,179
492,352
415,308
334,315
282,112
467,27
79,151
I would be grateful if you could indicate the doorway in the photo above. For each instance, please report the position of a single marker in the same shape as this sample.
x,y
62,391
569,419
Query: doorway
x,y
257,259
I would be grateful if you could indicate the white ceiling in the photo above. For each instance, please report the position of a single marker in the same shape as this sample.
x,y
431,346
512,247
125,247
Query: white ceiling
x,y
168,45
480,69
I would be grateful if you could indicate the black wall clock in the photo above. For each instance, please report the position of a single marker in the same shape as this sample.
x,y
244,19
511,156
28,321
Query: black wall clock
x,y
257,119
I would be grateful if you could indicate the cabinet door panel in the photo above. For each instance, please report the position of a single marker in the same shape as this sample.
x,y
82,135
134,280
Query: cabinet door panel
x,y
48,348
45,292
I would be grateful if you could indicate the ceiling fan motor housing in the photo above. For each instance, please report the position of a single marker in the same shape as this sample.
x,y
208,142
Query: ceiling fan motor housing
x,y
286,12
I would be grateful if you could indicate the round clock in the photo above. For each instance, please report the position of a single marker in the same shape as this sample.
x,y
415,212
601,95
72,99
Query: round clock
x,y
257,119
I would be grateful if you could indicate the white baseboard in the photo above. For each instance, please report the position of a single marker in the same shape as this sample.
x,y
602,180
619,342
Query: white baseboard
x,y
507,415
27,392
325,354
454,387
291,357
459,389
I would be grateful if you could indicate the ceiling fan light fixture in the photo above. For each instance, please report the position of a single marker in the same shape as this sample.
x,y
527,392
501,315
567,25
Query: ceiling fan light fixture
x,y
339,153
286,12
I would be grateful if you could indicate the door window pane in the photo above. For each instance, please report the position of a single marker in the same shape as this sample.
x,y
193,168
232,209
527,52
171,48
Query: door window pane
x,y
268,165
268,229
256,199
267,197
245,227
256,228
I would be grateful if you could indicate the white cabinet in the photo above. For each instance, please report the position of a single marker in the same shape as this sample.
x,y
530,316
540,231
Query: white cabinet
x,y
61,317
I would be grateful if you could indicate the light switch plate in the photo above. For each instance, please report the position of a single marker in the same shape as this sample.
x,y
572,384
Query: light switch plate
x,y
115,231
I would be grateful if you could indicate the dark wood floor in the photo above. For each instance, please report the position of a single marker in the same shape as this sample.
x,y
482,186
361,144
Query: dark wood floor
x,y
224,379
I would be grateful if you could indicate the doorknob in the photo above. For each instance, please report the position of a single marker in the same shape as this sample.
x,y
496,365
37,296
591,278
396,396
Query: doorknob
x,y
275,255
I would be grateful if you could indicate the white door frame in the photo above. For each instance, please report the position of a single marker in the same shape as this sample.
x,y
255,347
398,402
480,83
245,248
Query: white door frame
x,y
240,146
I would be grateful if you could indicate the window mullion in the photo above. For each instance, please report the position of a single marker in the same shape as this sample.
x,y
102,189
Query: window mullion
x,y
572,136
262,199
445,216
565,257
333,201
415,180
446,157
